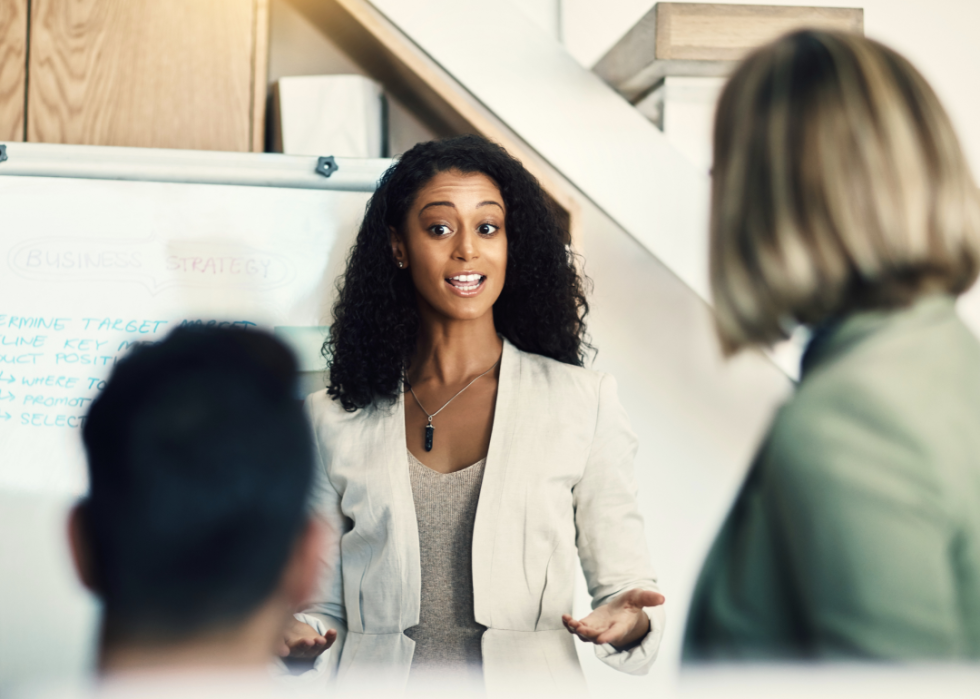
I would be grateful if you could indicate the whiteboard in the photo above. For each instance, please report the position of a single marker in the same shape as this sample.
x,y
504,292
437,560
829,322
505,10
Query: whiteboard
x,y
93,265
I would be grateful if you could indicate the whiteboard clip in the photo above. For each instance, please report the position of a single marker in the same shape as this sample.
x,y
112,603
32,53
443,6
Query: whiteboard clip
x,y
326,165
3,152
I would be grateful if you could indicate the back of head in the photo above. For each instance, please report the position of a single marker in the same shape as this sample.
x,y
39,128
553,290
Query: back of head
x,y
838,185
200,461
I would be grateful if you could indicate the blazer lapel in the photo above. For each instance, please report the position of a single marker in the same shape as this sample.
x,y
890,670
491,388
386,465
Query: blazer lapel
x,y
404,530
505,417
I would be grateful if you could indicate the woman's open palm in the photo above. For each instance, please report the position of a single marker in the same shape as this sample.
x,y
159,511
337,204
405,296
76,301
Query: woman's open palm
x,y
302,641
621,622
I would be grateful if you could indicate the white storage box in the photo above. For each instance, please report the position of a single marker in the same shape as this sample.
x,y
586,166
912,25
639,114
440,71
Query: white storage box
x,y
340,115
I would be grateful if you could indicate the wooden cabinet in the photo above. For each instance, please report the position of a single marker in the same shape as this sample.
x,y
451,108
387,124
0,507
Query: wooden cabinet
x,y
13,57
152,73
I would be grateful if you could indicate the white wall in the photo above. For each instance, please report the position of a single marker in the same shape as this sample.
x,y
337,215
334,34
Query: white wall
x,y
544,13
938,36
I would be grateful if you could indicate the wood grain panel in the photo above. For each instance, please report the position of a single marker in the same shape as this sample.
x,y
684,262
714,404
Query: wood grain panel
x,y
714,32
171,74
13,68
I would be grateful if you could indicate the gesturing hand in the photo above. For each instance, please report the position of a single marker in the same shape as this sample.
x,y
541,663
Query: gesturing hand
x,y
621,622
302,641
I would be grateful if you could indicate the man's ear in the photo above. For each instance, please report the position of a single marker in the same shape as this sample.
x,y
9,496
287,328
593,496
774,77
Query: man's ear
x,y
302,576
81,547
398,248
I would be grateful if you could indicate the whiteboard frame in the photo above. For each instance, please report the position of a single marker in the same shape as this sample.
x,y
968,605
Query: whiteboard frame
x,y
189,167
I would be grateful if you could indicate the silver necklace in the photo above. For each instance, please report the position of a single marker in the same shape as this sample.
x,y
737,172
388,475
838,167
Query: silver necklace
x,y
429,429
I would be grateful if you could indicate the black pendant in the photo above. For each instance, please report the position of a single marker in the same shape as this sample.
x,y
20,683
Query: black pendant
x,y
429,429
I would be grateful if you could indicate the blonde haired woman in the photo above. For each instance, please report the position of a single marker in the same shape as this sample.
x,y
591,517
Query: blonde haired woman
x,y
842,201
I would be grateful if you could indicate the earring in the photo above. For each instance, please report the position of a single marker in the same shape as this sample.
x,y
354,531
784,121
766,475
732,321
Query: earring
x,y
400,265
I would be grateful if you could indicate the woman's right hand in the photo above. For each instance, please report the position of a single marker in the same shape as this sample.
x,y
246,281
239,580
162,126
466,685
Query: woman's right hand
x,y
302,641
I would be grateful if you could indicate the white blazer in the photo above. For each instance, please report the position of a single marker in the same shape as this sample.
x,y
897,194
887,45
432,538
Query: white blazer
x,y
558,486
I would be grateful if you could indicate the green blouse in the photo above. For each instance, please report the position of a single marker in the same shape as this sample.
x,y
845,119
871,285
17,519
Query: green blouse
x,y
857,532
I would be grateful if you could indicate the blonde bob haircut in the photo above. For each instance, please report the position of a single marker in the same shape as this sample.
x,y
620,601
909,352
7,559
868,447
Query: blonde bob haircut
x,y
838,185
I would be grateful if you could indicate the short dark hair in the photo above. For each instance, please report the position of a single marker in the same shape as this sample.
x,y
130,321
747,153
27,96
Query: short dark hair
x,y
541,309
200,463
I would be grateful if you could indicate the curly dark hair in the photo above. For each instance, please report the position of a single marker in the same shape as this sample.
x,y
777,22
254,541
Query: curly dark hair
x,y
541,308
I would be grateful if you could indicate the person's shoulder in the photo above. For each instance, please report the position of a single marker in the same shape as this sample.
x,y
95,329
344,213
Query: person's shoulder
x,y
844,408
321,408
894,407
329,419
903,382
545,371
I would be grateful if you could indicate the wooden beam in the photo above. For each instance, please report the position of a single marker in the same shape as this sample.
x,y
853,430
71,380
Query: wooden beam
x,y
174,74
13,68
696,39
713,32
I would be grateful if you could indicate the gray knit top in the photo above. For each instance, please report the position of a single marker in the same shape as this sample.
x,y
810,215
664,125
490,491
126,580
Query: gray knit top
x,y
447,637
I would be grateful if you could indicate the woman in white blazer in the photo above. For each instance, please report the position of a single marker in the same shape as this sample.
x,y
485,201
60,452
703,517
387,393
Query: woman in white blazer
x,y
456,352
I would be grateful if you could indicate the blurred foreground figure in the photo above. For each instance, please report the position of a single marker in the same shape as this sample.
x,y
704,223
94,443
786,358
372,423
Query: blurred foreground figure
x,y
195,533
842,201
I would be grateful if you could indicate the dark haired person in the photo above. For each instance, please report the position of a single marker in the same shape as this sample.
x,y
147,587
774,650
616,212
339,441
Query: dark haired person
x,y
842,201
466,454
195,534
